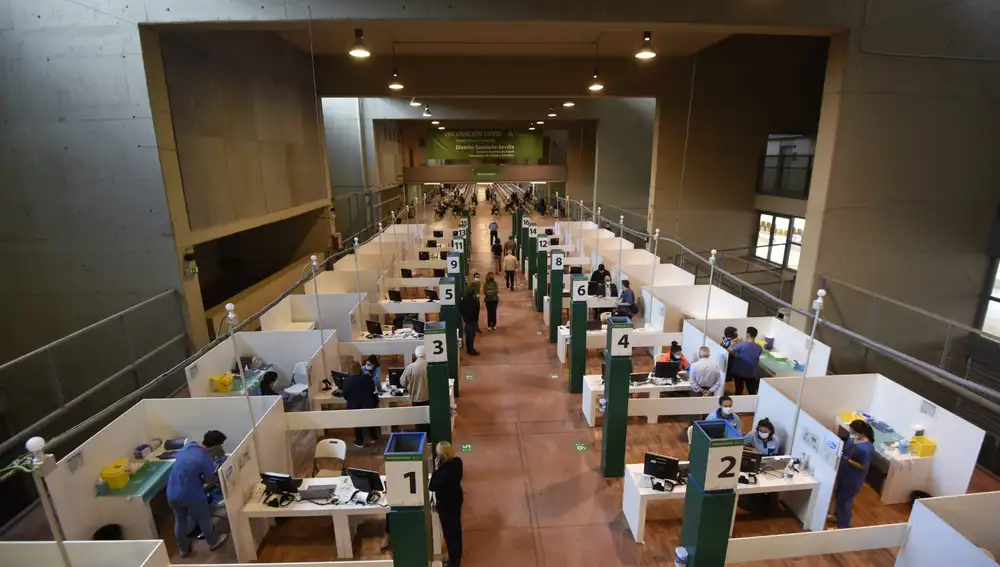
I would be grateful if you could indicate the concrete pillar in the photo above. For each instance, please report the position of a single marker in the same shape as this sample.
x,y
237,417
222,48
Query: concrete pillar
x,y
581,161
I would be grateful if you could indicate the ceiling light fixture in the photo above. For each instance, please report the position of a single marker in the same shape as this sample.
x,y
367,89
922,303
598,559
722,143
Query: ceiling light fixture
x,y
595,83
531,126
646,51
540,122
359,50
435,122
569,104
414,102
440,127
552,112
427,111
395,84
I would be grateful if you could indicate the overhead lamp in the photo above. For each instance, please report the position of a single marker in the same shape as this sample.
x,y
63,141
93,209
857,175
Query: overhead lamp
x,y
395,84
435,122
540,122
531,128
595,83
414,102
569,104
427,111
552,112
646,51
440,127
359,50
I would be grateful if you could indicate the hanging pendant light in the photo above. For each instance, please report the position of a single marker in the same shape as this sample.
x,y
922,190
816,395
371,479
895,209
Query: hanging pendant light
x,y
646,51
595,83
359,49
569,104
552,111
395,84
427,111
531,126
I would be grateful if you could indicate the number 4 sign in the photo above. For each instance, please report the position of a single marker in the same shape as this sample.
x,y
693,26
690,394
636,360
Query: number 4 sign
x,y
621,344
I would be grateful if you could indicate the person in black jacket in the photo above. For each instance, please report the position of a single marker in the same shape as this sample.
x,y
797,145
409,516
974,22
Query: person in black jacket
x,y
359,393
469,308
446,484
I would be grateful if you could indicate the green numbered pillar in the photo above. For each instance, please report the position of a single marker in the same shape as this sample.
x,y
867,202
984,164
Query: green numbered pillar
x,y
515,229
716,453
451,316
541,270
577,333
522,241
617,369
409,516
529,256
556,294
466,223
436,339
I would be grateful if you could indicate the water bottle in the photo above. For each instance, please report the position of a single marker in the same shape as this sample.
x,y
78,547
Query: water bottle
x,y
680,557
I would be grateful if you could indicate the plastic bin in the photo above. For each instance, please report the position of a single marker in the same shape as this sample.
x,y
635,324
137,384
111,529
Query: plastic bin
x,y
222,382
922,446
116,475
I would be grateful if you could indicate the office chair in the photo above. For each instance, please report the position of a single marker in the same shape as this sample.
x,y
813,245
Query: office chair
x,y
330,449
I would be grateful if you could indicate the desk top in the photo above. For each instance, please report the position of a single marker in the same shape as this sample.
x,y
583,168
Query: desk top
x,y
298,326
765,483
777,367
410,306
255,508
594,383
880,441
146,482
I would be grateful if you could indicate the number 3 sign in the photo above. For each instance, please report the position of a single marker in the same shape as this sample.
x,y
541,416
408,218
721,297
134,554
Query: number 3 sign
x,y
435,347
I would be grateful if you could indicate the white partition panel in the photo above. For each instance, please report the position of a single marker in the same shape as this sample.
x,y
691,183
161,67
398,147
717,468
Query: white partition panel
x,y
282,349
279,316
137,553
778,408
692,341
690,302
806,544
788,340
362,262
958,441
192,417
934,541
659,275
348,281
218,360
821,448
240,475
826,397
973,516
342,310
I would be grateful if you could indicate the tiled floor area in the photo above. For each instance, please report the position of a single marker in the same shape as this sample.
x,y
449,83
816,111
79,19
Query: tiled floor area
x,y
532,498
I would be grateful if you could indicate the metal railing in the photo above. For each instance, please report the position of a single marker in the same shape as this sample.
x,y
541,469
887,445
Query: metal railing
x,y
785,175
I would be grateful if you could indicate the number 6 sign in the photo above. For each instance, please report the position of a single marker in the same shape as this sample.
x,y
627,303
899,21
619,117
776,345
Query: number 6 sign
x,y
580,289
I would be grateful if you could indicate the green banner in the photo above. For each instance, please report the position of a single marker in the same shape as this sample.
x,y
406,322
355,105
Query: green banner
x,y
487,173
489,144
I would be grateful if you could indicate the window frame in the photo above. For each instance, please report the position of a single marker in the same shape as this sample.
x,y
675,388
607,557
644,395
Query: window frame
x,y
787,243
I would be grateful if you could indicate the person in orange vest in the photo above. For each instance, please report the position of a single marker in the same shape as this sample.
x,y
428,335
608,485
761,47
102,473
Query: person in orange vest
x,y
674,353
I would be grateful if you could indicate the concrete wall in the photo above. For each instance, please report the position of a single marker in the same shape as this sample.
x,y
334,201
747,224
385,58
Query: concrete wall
x,y
581,161
624,158
745,88
246,124
341,125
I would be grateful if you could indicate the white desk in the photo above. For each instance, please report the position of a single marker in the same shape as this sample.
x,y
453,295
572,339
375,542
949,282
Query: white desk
x,y
390,283
381,347
641,338
593,302
342,515
593,389
385,400
424,264
639,492
906,473
595,339
406,306
296,326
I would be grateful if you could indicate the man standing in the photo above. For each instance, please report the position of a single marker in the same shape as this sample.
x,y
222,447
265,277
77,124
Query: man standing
x,y
509,268
469,308
747,353
706,379
192,469
494,228
509,246
414,380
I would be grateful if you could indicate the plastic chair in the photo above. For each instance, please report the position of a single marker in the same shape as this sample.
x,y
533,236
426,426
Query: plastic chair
x,y
329,449
690,432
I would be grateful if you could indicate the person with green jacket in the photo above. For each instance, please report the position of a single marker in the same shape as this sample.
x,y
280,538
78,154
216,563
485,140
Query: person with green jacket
x,y
492,293
475,286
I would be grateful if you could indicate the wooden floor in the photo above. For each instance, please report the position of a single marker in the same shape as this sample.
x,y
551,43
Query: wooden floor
x,y
532,499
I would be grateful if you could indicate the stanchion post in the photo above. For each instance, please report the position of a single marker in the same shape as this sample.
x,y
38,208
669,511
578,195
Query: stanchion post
x,y
409,516
577,333
541,270
556,295
522,241
617,370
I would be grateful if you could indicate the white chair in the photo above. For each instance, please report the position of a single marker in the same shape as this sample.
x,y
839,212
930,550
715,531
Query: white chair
x,y
329,449
690,432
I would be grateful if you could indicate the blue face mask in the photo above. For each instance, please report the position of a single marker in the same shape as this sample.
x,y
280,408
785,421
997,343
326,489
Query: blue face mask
x,y
368,368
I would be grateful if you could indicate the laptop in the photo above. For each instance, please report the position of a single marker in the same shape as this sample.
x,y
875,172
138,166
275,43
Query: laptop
x,y
638,377
374,328
432,294
395,296
443,254
440,273
416,324
438,234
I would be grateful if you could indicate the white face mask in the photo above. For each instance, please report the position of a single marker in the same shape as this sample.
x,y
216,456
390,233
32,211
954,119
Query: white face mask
x,y
763,434
476,279
726,411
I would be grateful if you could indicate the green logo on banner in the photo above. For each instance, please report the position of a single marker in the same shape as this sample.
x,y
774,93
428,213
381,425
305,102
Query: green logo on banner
x,y
465,448
580,446
469,377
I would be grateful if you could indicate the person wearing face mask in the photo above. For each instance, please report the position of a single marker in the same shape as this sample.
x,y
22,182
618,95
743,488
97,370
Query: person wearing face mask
x,y
854,463
747,356
676,354
762,440
475,286
469,309
726,413
373,369
492,299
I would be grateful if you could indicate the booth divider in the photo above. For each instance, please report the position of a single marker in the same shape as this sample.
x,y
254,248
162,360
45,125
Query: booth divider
x,y
137,553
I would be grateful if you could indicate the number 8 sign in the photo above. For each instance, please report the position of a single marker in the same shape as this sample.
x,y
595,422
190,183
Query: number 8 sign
x,y
557,261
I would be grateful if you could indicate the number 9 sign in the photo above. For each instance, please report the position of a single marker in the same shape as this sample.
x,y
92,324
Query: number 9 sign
x,y
453,267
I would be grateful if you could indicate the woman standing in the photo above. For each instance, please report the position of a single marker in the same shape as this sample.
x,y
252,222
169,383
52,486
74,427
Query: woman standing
x,y
446,484
853,469
491,293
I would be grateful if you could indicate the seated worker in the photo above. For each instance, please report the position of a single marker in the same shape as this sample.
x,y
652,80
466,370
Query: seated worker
x,y
762,440
610,289
193,468
675,353
726,413
706,379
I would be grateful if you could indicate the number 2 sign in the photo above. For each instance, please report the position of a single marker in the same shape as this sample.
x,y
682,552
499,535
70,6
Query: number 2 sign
x,y
722,472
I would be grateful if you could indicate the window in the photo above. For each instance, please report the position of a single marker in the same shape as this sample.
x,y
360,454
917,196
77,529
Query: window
x,y
991,322
779,239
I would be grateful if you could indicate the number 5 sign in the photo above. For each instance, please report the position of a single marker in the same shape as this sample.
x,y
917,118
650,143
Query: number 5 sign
x,y
446,292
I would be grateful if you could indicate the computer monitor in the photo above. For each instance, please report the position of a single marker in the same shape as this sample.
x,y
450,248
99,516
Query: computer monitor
x,y
443,254
751,462
636,377
660,466
394,375
415,324
549,232
440,273
432,294
424,255
595,288
374,328
622,310
576,269
554,241
406,273
365,480
432,243
279,483
395,295
454,233
668,369
438,234
338,378
594,324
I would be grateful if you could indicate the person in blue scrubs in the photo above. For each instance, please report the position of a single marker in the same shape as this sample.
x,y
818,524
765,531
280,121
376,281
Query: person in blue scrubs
x,y
193,468
726,413
373,369
762,439
744,370
854,463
